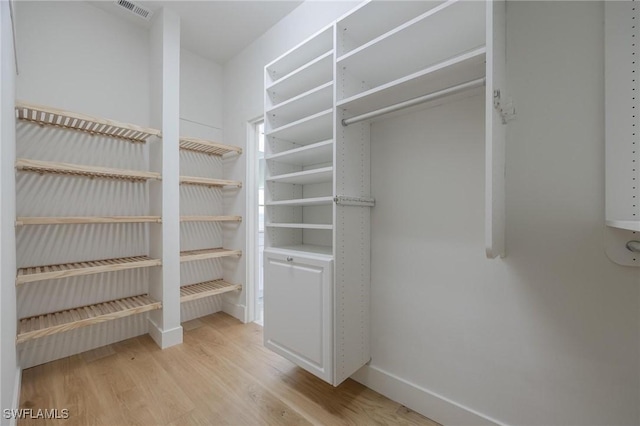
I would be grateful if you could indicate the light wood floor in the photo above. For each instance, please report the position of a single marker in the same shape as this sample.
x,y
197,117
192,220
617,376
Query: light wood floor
x,y
221,375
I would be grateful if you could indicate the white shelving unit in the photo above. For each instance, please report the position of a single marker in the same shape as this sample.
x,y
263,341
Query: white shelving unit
x,y
211,218
384,56
301,234
445,31
622,143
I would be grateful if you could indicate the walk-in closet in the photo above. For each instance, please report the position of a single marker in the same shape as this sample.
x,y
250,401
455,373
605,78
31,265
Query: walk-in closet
x,y
301,212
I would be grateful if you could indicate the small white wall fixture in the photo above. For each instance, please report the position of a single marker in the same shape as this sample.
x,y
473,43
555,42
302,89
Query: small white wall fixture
x,y
622,132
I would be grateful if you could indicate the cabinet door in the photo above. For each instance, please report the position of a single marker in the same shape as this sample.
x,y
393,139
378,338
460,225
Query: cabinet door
x,y
297,311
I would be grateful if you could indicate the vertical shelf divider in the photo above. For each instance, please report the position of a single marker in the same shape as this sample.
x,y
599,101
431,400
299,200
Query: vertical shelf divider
x,y
164,196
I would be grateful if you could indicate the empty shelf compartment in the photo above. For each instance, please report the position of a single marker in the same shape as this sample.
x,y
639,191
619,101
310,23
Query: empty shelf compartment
x,y
83,171
50,272
44,115
317,153
210,218
446,30
300,225
58,322
71,220
206,289
320,175
208,147
212,253
194,180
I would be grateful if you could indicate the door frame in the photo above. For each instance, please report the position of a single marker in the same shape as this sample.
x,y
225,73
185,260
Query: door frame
x,y
251,225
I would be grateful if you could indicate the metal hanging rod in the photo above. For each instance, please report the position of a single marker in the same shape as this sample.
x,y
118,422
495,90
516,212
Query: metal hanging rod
x,y
416,101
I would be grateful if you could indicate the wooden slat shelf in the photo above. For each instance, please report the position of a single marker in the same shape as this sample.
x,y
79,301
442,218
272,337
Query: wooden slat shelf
x,y
192,180
84,171
45,115
58,322
208,147
49,272
210,218
21,221
206,289
191,255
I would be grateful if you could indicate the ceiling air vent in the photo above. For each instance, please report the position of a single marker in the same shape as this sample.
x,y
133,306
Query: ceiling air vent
x,y
137,10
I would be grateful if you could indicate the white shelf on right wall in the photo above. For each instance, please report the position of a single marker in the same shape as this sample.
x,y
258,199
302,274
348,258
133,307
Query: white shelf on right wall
x,y
622,131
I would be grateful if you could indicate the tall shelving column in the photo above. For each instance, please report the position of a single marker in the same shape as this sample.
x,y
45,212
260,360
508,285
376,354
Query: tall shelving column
x,y
317,221
81,264
202,222
299,148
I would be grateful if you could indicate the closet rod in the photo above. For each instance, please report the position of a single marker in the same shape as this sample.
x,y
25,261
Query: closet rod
x,y
416,101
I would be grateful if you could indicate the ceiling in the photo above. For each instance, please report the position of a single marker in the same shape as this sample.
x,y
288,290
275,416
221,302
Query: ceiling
x,y
216,30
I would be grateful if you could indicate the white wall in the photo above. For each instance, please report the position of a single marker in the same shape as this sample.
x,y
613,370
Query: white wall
x,y
550,334
9,372
201,116
244,93
201,97
75,56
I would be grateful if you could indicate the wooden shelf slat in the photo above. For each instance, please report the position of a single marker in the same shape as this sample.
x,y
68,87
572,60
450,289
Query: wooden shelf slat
x,y
58,322
210,218
50,272
23,220
206,289
208,147
85,171
191,255
45,115
193,180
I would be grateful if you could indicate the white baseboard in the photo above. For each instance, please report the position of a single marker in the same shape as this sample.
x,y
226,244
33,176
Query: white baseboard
x,y
16,395
235,310
165,338
419,399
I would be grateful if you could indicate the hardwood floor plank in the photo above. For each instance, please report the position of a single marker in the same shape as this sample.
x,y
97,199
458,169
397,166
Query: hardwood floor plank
x,y
220,375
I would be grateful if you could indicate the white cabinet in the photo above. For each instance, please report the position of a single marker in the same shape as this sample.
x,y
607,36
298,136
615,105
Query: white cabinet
x,y
298,309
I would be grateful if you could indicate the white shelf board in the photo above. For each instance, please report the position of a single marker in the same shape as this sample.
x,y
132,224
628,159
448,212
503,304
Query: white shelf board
x,y
630,225
310,75
314,128
450,28
323,174
317,99
300,225
374,18
461,69
320,152
301,54
315,201
321,252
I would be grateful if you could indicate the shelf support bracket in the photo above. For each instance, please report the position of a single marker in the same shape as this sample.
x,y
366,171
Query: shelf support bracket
x,y
505,107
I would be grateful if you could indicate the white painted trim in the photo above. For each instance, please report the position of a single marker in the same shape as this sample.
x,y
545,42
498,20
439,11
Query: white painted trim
x,y
16,395
165,338
419,399
235,310
251,221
